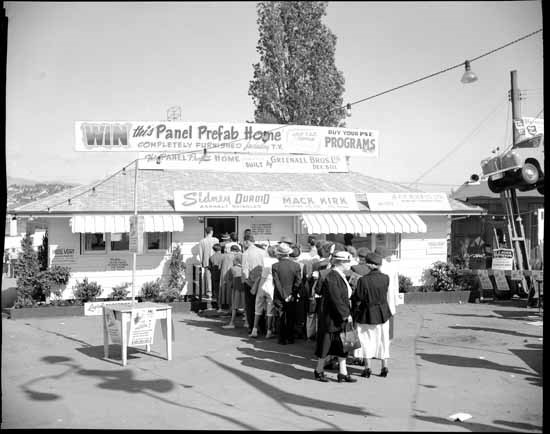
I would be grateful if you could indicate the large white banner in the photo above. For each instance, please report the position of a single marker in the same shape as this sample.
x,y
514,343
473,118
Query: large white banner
x,y
193,200
159,136
250,163
408,201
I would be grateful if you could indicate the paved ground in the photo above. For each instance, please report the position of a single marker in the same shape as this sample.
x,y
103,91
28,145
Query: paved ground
x,y
480,359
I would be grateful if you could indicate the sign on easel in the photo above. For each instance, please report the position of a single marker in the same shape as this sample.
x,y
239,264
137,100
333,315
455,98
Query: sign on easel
x,y
113,326
500,280
484,279
142,326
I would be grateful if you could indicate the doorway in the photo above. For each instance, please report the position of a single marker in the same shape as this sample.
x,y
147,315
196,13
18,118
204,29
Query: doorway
x,y
222,225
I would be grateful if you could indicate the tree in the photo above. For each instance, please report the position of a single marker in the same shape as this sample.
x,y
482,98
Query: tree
x,y
296,80
27,267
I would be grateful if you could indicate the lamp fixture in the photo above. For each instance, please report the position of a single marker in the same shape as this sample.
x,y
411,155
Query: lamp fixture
x,y
469,76
124,170
158,159
348,110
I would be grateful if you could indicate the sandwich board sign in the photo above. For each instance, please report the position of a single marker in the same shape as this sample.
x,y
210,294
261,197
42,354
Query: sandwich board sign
x,y
484,279
500,280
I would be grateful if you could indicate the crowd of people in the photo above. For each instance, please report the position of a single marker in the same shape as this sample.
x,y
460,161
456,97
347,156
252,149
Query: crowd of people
x,y
313,294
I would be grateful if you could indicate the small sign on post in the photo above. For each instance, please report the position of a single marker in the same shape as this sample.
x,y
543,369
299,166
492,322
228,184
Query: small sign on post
x,y
136,234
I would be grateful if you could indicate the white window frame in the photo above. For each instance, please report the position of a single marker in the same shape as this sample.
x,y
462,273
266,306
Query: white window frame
x,y
373,244
168,248
106,237
83,250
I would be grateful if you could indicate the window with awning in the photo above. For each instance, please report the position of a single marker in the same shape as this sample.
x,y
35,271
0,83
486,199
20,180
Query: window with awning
x,y
356,223
121,223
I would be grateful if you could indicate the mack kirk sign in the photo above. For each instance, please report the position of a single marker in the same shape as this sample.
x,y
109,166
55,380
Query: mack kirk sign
x,y
158,136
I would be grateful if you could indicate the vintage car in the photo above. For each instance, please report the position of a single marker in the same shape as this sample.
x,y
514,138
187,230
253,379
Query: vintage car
x,y
521,167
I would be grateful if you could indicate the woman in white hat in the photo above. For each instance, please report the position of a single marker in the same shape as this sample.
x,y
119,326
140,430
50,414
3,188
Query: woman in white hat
x,y
333,315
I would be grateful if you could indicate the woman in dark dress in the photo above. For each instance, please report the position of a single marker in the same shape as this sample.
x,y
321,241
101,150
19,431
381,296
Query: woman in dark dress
x,y
333,314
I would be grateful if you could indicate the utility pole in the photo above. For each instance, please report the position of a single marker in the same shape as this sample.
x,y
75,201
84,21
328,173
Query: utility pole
x,y
509,198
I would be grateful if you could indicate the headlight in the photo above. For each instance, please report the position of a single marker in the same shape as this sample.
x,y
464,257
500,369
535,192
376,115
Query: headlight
x,y
529,173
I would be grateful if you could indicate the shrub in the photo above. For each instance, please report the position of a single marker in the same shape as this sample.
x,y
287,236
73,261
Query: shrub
x,y
441,276
120,292
467,282
52,278
168,295
86,291
405,283
151,290
177,270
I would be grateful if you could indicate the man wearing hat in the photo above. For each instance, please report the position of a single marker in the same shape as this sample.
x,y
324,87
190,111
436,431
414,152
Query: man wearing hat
x,y
224,239
371,313
333,315
287,280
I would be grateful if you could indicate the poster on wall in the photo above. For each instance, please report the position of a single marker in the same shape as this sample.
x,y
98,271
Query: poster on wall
x,y
227,137
62,256
194,200
142,326
503,259
250,163
436,247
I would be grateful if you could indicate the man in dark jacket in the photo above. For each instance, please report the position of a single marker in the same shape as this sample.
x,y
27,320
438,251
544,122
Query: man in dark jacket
x,y
287,280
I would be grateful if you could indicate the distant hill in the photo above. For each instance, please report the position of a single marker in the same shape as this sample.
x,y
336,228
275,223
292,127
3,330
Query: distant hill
x,y
20,194
23,181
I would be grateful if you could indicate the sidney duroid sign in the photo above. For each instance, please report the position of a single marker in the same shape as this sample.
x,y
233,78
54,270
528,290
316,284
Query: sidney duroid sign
x,y
249,163
192,200
158,136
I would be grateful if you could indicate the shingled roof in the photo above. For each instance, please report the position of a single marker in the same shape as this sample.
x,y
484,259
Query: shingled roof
x,y
156,190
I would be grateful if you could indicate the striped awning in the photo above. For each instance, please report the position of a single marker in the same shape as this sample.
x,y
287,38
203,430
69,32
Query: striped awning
x,y
362,223
121,223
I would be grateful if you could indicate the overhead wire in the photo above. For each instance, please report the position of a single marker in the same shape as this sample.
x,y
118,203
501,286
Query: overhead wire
x,y
460,144
338,108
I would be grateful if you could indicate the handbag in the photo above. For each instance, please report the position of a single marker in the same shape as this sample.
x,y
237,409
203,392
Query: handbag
x,y
311,325
350,337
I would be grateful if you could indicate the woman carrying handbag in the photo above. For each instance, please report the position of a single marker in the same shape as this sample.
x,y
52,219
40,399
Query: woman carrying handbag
x,y
371,314
334,313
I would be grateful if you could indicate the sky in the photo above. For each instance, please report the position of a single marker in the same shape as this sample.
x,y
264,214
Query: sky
x,y
87,61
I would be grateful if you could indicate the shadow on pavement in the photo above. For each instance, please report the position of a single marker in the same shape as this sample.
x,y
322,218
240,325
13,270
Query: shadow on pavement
x,y
470,362
515,314
474,427
487,329
120,380
115,353
533,359
287,400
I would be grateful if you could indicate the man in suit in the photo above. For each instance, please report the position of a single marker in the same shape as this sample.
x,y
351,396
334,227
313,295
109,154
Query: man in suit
x,y
287,279
253,261
205,251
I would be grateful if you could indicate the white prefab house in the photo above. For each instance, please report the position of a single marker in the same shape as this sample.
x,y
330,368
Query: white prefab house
x,y
90,232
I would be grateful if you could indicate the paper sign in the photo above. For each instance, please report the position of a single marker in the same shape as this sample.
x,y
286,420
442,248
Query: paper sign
x,y
136,234
400,298
500,280
218,161
408,201
142,326
484,279
113,326
516,275
529,127
537,275
503,259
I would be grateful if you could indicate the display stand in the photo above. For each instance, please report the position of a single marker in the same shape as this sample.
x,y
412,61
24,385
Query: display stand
x,y
122,317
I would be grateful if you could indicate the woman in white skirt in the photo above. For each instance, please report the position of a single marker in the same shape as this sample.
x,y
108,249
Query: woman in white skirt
x,y
371,314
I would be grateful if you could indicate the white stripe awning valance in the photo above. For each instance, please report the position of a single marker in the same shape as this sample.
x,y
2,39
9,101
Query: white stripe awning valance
x,y
121,223
362,223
